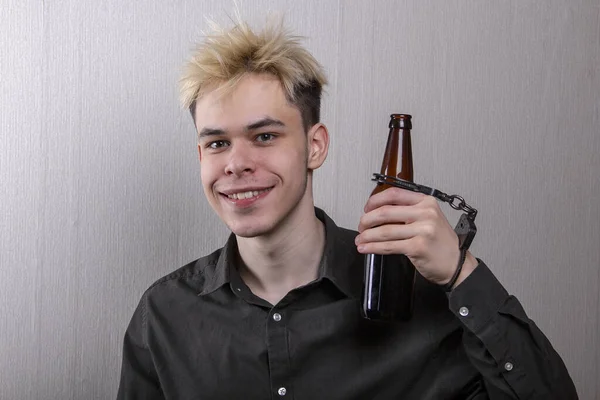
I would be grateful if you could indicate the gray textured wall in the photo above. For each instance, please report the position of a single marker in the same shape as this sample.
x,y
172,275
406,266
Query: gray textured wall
x,y
100,190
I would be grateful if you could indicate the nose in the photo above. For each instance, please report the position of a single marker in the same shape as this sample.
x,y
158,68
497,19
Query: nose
x,y
240,161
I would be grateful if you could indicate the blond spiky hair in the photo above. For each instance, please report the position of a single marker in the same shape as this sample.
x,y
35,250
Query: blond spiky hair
x,y
226,56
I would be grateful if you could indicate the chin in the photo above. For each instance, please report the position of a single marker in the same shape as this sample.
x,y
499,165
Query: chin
x,y
246,231
249,226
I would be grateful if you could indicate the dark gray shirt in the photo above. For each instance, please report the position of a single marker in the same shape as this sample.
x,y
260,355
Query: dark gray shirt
x,y
200,333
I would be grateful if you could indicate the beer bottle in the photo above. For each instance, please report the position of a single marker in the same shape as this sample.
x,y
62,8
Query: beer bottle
x,y
389,280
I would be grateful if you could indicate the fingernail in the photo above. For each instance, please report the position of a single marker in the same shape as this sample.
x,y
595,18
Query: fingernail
x,y
361,248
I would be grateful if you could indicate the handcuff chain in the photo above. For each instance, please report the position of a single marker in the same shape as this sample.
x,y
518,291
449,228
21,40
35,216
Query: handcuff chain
x,y
455,201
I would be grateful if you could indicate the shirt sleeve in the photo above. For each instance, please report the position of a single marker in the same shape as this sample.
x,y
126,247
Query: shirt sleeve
x,y
514,357
139,380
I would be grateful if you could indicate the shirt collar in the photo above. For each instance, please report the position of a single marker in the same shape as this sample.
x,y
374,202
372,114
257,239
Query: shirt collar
x,y
340,262
221,273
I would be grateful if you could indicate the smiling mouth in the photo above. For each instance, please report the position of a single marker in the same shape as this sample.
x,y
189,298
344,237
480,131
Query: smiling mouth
x,y
246,195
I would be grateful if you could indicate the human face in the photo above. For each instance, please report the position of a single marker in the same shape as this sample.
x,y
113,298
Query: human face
x,y
254,156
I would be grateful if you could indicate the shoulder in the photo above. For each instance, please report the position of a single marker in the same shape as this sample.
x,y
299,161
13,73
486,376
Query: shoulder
x,y
192,276
176,288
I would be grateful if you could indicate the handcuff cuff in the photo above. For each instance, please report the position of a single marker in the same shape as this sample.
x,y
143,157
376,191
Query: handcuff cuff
x,y
465,227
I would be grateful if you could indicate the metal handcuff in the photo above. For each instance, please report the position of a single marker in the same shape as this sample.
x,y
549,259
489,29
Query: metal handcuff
x,y
465,228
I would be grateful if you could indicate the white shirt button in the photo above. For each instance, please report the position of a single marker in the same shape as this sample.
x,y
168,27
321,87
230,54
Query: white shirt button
x,y
282,391
508,366
463,311
277,318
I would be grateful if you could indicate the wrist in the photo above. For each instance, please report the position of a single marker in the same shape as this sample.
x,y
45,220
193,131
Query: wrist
x,y
468,267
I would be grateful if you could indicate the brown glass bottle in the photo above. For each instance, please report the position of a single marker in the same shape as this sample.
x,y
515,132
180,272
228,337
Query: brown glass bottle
x,y
389,280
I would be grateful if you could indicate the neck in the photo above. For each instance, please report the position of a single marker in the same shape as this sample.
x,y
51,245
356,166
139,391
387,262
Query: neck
x,y
274,264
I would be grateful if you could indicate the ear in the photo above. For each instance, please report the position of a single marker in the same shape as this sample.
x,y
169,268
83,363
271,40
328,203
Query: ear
x,y
318,145
200,154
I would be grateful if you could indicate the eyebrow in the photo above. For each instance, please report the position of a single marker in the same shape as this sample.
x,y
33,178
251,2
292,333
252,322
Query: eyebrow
x,y
261,123
206,132
264,122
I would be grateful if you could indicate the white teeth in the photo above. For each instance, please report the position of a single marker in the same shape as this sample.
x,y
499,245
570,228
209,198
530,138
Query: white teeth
x,y
246,195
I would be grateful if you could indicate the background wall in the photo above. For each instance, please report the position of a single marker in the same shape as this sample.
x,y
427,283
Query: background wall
x,y
100,191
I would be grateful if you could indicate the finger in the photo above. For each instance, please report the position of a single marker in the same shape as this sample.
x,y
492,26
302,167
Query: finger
x,y
387,233
388,214
385,248
393,196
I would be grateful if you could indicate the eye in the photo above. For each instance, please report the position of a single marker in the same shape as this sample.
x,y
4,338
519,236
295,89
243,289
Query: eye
x,y
265,137
217,144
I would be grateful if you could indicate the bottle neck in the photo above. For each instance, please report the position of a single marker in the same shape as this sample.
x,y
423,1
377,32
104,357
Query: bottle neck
x,y
397,160
406,164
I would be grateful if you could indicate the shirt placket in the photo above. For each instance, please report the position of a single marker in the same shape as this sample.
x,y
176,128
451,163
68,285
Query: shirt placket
x,y
279,357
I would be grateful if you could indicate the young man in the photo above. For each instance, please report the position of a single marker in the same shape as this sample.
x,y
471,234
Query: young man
x,y
275,313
